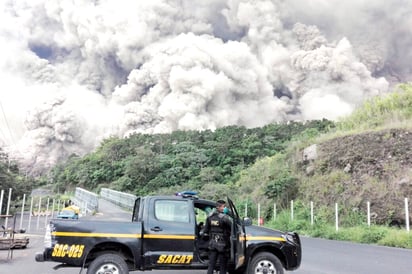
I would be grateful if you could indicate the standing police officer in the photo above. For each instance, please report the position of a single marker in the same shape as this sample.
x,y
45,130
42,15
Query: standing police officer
x,y
218,227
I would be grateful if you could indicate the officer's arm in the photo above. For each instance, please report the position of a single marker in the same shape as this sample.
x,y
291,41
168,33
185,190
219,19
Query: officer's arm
x,y
205,230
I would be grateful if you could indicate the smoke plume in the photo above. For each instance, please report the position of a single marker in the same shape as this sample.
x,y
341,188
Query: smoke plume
x,y
75,72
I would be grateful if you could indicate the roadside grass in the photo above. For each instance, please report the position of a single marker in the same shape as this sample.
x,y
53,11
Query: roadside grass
x,y
374,234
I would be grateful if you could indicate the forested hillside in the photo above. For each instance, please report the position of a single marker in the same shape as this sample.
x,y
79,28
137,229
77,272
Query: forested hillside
x,y
144,164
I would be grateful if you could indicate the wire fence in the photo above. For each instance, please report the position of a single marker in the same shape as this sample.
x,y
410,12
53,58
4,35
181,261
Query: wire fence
x,y
34,212
257,212
126,200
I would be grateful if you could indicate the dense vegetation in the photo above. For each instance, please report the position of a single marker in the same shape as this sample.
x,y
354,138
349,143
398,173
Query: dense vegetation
x,y
11,177
144,164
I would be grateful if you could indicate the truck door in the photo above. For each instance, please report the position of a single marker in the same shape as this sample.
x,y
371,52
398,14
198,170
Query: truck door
x,y
238,237
169,233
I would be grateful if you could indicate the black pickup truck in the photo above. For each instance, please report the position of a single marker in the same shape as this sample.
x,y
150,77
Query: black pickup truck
x,y
165,233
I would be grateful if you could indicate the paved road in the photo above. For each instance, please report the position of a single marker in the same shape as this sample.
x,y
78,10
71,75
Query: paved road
x,y
334,257
319,256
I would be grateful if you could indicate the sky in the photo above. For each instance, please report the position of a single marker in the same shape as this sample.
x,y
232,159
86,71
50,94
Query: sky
x,y
74,72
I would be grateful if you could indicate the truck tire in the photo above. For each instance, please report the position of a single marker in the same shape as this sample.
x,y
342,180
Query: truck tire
x,y
265,262
108,263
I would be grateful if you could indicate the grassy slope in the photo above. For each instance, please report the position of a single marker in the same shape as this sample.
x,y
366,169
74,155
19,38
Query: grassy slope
x,y
366,158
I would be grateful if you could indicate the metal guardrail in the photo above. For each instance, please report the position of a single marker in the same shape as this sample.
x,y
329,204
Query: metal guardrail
x,y
122,199
86,200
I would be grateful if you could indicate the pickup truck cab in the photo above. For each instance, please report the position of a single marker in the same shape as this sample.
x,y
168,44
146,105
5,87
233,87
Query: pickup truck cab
x,y
165,233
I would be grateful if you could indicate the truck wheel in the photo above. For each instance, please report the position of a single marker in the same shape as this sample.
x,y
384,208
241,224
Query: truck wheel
x,y
108,263
265,263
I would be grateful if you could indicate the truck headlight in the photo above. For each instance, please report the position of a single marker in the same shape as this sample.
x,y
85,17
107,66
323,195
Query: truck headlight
x,y
290,237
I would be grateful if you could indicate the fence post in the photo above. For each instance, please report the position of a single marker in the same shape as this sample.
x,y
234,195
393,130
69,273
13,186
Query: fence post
x,y
259,221
38,214
291,210
47,210
311,213
22,211
368,205
1,200
274,211
407,214
52,211
30,213
8,208
336,217
246,209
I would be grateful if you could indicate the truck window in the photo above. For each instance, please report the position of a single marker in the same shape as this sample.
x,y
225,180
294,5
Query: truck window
x,y
172,210
202,213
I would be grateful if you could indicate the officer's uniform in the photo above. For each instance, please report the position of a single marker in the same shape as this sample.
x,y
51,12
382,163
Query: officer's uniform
x,y
218,226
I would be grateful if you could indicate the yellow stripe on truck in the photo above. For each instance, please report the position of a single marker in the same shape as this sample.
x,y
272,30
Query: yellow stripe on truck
x,y
122,235
265,238
173,237
98,235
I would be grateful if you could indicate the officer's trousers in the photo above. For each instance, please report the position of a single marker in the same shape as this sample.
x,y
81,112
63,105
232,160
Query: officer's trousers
x,y
215,256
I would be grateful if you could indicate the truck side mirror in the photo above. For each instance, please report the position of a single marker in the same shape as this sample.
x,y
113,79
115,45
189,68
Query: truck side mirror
x,y
247,221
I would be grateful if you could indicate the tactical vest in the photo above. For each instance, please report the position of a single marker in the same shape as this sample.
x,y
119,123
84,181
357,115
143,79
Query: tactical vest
x,y
219,232
217,224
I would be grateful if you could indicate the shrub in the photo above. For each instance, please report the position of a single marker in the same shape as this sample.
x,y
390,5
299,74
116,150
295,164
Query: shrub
x,y
373,234
397,238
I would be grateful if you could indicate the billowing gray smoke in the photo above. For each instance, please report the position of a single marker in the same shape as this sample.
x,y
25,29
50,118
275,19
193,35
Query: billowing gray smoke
x,y
75,72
